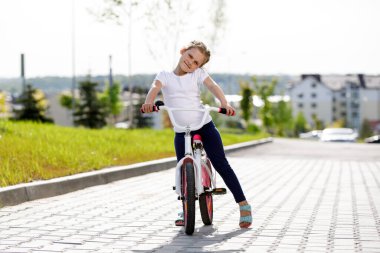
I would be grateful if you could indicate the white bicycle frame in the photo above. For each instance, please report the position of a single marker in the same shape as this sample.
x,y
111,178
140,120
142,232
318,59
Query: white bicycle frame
x,y
195,155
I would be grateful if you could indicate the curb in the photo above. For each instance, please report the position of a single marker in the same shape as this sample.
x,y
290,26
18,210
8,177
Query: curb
x,y
17,194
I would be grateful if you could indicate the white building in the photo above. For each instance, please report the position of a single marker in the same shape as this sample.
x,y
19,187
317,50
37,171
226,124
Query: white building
x,y
354,98
312,97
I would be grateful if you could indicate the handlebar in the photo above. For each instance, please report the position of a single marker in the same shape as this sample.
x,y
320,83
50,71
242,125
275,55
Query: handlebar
x,y
160,105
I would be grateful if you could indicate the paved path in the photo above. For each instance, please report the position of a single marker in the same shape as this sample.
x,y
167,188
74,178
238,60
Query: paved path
x,y
306,196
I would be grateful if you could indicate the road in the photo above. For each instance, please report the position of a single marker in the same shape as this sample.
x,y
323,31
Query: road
x,y
299,149
306,197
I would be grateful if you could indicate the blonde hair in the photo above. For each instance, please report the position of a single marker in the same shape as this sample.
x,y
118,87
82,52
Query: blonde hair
x,y
202,48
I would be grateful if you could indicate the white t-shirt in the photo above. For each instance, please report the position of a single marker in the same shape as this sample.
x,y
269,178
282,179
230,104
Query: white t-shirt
x,y
184,92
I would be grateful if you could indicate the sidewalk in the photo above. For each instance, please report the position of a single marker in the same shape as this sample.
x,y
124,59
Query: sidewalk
x,y
299,205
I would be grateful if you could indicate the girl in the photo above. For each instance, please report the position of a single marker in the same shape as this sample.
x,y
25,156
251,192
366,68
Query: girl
x,y
181,88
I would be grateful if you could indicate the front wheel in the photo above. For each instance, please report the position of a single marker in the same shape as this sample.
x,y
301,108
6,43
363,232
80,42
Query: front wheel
x,y
206,206
205,199
188,196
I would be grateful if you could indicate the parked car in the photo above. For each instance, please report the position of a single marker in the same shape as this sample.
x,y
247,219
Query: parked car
x,y
315,134
339,135
373,139
122,125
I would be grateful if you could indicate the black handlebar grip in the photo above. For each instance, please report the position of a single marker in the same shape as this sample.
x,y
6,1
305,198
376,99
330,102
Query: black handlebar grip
x,y
223,110
159,103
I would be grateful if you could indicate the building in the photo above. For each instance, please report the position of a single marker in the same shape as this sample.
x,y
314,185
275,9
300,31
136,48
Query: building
x,y
313,98
353,98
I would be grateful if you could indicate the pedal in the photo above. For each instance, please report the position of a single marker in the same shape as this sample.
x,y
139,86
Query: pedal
x,y
182,198
219,191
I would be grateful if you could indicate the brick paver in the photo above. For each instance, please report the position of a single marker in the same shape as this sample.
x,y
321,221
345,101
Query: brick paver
x,y
300,204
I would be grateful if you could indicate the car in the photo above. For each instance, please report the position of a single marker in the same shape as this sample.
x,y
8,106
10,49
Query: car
x,y
122,125
339,135
314,135
372,139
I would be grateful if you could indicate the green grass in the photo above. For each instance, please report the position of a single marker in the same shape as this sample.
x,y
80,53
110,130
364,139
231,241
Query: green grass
x,y
32,151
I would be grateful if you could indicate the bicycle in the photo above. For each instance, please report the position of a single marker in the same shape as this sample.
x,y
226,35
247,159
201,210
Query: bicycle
x,y
195,177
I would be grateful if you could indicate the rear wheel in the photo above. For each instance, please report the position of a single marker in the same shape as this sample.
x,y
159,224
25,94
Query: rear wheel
x,y
205,199
188,194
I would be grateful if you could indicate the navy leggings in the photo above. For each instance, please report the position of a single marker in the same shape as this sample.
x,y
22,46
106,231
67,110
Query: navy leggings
x,y
212,143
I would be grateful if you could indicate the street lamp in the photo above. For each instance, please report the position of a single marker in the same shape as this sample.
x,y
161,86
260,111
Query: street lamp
x,y
73,79
23,73
130,64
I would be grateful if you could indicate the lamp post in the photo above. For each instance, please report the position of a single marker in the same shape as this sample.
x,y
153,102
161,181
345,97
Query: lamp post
x,y
110,78
130,64
73,79
23,73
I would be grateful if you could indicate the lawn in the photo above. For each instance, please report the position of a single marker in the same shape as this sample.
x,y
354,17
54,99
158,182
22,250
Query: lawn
x,y
32,151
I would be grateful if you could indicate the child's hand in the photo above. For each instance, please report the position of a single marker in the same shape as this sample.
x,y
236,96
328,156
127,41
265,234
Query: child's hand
x,y
146,108
229,108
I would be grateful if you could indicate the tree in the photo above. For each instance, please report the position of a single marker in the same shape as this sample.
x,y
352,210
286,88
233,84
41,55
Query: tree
x,y
246,104
66,101
339,123
300,124
164,34
118,12
366,129
218,21
142,119
264,90
165,23
111,98
34,106
90,111
282,117
3,108
317,123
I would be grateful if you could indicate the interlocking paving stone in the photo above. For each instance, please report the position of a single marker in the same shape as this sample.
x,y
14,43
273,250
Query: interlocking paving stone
x,y
300,204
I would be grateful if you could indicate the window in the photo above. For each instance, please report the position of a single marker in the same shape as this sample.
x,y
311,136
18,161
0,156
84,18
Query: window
x,y
313,105
300,105
313,95
343,94
343,114
313,85
300,95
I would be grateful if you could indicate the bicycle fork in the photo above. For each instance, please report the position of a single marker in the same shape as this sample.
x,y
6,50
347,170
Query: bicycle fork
x,y
195,154
199,174
188,155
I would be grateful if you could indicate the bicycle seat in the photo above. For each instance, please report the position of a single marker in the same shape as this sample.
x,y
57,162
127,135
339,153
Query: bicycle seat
x,y
197,137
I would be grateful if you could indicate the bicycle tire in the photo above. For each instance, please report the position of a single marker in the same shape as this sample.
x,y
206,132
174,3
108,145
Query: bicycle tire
x,y
205,199
188,194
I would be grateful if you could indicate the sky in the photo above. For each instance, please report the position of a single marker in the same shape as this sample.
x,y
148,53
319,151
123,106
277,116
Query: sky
x,y
62,37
